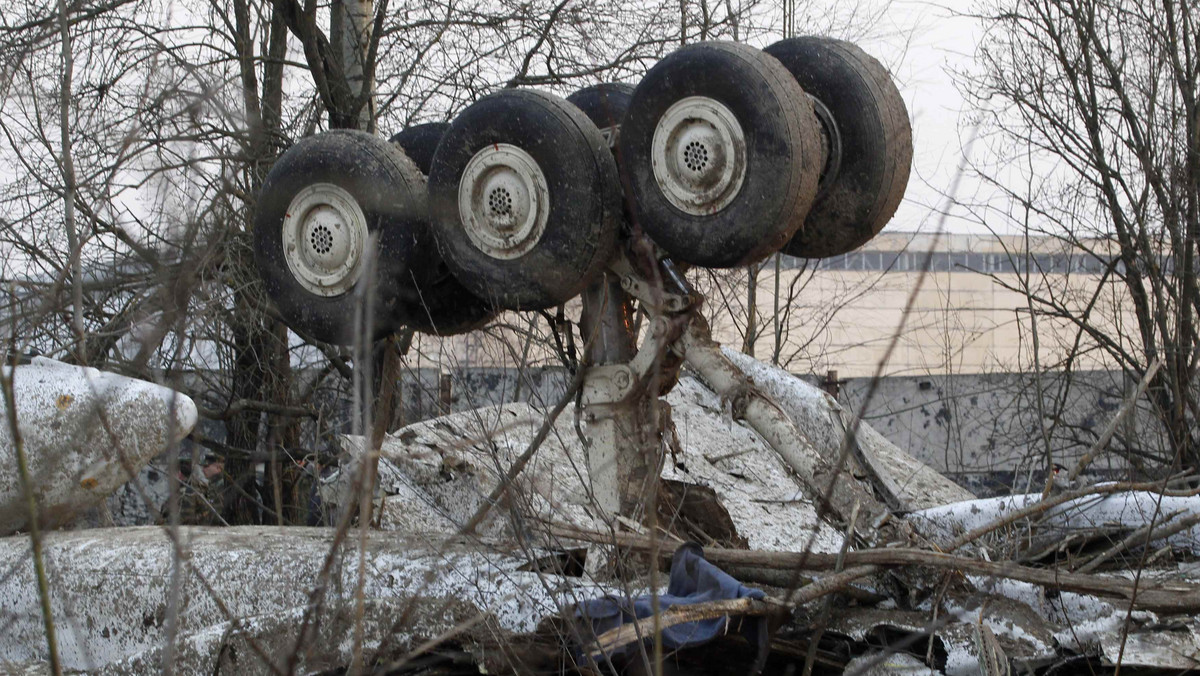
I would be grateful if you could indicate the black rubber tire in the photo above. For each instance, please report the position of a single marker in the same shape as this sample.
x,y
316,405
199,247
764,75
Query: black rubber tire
x,y
436,303
876,143
783,154
390,191
584,193
420,141
605,105
432,299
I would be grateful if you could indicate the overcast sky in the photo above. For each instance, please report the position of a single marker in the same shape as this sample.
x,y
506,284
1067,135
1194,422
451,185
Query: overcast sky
x,y
923,44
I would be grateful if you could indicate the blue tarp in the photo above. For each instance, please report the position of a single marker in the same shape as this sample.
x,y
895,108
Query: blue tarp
x,y
693,580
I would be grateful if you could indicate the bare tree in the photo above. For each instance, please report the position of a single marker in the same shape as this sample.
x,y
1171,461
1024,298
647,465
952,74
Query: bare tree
x,y
170,115
1092,107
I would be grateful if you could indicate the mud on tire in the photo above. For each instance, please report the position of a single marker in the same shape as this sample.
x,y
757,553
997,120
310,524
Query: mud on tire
x,y
320,204
875,138
721,151
525,198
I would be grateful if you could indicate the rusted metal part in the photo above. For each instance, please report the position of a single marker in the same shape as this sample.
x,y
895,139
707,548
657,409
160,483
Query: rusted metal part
x,y
607,322
77,423
662,290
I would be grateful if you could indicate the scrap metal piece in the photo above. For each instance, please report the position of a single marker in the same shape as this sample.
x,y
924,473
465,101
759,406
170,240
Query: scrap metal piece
x,y
822,479
907,483
110,590
85,433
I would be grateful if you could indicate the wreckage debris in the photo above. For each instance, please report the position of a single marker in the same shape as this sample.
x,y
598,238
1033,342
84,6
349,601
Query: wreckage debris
x,y
991,613
498,598
693,581
85,433
242,586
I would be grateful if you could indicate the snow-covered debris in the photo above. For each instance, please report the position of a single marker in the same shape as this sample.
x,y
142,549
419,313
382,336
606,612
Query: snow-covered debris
x,y
955,633
111,592
1127,510
880,663
444,468
82,429
908,483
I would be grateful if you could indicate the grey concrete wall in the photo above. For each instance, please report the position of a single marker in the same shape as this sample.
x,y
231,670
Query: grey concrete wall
x,y
986,432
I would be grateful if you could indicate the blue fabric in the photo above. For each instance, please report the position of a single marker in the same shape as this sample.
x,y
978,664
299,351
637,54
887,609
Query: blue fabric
x,y
693,580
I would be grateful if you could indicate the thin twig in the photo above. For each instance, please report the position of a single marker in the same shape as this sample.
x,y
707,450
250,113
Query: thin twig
x,y
434,642
1111,429
1164,596
519,465
827,607
1146,534
35,536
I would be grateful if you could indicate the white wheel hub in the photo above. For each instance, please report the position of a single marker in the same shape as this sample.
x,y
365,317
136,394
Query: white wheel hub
x,y
503,201
324,233
699,155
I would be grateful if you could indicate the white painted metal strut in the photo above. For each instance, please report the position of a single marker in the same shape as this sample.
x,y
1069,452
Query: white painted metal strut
x,y
620,406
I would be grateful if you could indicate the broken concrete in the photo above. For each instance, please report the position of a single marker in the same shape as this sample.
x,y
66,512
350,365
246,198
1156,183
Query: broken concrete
x,y
85,433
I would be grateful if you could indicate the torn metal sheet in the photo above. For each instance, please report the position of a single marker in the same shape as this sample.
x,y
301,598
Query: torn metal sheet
x,y
81,430
964,635
1128,509
111,598
449,465
234,648
909,483
888,664
1089,625
1174,646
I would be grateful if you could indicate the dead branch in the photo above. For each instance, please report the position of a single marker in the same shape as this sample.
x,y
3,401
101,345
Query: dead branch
x,y
271,407
1146,535
1129,405
625,634
1169,597
632,632
1044,505
1172,596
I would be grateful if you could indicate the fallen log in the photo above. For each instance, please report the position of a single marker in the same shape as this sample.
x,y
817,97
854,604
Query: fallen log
x,y
625,634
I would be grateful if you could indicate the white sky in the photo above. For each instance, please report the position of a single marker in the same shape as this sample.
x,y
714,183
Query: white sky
x,y
922,47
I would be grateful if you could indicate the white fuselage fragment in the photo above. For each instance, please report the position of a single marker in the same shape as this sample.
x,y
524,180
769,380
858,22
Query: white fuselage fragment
x,y
1126,509
85,433
114,591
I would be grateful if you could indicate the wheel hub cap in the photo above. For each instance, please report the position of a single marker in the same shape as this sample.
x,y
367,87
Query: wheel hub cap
x,y
699,155
503,201
324,233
